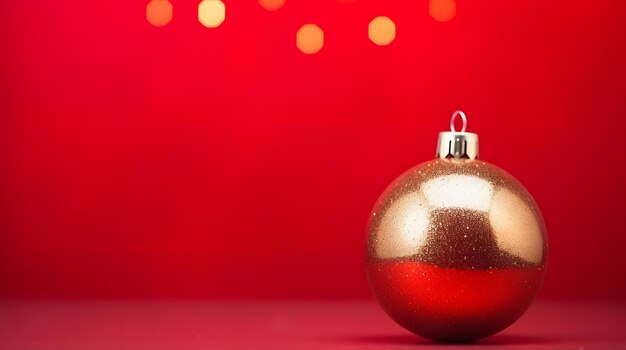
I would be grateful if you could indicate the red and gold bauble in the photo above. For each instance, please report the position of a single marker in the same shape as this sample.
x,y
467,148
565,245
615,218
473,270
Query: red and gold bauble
x,y
456,247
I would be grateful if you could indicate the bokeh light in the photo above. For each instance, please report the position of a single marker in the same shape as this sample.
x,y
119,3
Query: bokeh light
x,y
381,30
442,10
211,13
159,12
271,5
310,39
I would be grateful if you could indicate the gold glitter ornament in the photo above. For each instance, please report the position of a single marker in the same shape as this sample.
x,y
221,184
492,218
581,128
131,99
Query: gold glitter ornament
x,y
456,247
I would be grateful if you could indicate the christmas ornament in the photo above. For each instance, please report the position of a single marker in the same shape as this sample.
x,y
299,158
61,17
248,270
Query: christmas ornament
x,y
456,247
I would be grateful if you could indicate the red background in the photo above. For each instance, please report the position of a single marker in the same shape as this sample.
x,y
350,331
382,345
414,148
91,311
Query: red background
x,y
184,161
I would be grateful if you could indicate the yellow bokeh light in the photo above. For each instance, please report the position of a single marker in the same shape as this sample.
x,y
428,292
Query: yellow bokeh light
x,y
271,5
442,10
310,39
211,13
159,12
381,30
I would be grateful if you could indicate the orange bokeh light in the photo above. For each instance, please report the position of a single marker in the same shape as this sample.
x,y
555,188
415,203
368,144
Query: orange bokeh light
x,y
310,39
271,5
381,30
442,10
159,12
211,13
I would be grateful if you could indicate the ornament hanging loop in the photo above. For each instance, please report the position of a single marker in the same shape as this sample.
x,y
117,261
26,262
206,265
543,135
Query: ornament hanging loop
x,y
453,119
457,144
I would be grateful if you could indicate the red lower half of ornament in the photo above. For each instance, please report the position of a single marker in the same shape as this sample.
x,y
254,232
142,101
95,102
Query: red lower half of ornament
x,y
449,304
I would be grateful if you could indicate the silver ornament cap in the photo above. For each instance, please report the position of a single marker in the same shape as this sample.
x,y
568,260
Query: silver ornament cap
x,y
457,144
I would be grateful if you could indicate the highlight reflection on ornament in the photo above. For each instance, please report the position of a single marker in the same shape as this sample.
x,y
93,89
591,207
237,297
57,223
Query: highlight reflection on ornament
x,y
457,247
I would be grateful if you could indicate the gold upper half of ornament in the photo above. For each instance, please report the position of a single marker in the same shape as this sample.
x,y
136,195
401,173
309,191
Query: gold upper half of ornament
x,y
458,214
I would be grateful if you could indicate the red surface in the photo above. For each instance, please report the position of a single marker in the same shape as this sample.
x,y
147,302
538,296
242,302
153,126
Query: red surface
x,y
447,303
183,161
282,325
